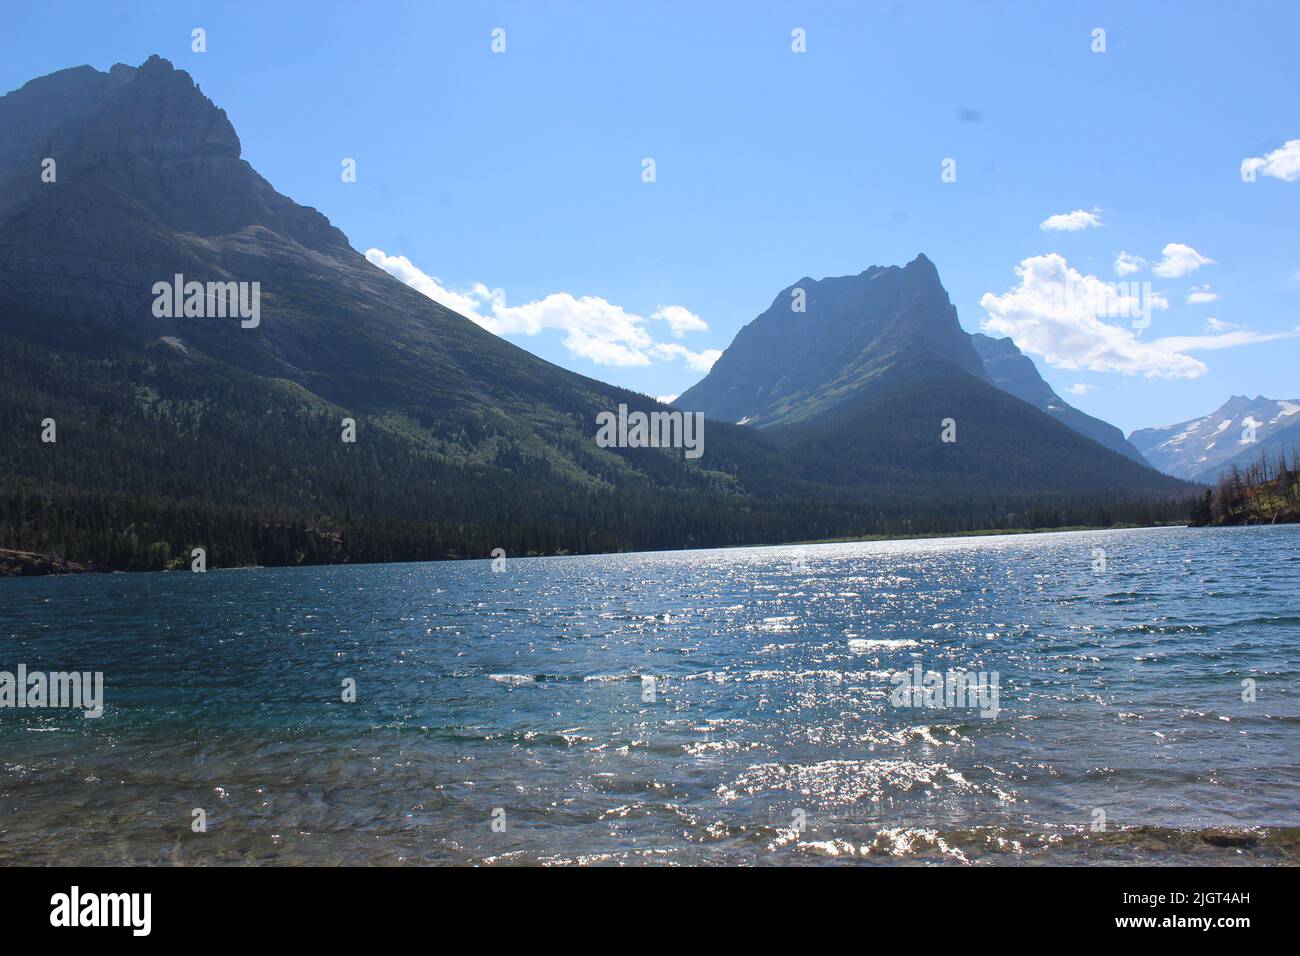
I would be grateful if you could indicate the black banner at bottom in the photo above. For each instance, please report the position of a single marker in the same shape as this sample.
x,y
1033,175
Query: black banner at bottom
x,y
234,904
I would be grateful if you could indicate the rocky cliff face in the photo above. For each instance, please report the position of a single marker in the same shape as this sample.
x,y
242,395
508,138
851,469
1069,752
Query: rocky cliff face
x,y
788,364
149,134
15,564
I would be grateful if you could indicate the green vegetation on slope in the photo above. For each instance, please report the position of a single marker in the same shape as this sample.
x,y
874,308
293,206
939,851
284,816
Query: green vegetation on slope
x,y
157,454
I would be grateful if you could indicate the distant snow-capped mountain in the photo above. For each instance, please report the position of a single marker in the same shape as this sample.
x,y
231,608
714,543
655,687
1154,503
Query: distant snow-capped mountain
x,y
1235,433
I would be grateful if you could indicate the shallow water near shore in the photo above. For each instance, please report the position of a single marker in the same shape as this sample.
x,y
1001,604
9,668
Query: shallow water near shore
x,y
716,707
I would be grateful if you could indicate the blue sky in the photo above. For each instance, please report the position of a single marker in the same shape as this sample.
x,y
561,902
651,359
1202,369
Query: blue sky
x,y
522,171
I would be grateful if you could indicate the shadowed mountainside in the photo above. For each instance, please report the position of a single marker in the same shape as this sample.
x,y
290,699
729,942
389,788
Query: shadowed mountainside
x,y
1015,373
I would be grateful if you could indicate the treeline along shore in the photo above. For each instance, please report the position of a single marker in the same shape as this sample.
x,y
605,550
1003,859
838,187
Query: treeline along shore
x,y
1265,492
63,531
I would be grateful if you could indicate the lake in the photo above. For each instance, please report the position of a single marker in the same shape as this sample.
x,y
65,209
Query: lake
x,y
746,706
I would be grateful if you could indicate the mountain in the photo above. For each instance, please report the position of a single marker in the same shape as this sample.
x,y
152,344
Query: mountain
x,y
228,433
788,365
150,183
1015,373
854,390
1202,448
889,433
457,427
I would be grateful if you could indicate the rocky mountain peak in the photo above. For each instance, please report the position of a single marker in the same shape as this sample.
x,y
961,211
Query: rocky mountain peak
x,y
146,143
822,338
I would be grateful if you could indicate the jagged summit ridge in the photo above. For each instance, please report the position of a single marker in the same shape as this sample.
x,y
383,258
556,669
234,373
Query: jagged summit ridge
x,y
145,136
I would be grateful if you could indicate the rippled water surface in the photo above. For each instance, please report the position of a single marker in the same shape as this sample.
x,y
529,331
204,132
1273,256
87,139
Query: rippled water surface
x,y
766,736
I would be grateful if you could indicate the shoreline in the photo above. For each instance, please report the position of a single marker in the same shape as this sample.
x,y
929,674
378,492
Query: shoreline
x,y
27,564
15,563
988,533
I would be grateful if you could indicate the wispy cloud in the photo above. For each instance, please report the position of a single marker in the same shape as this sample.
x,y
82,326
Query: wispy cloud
x,y
1072,221
1217,325
1201,294
1078,388
1226,340
1283,163
593,328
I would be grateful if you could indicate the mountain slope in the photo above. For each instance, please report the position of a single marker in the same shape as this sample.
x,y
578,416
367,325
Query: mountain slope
x,y
890,432
1201,448
150,184
1015,373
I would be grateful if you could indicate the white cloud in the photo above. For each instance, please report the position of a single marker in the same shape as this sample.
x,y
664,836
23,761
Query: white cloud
x,y
1072,221
699,361
402,268
594,328
680,320
1057,312
1200,294
1179,260
1126,264
1216,325
1080,389
1227,340
1283,163
666,399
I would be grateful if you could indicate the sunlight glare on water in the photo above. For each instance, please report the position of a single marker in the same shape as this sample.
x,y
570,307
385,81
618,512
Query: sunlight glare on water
x,y
727,706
